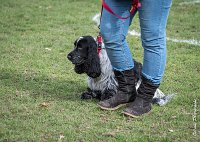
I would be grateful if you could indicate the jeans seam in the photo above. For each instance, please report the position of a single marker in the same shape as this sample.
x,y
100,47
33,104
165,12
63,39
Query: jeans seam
x,y
160,51
122,36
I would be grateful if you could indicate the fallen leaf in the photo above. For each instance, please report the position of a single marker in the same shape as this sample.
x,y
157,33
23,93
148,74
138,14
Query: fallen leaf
x,y
49,7
44,104
109,134
49,49
174,116
81,140
61,137
62,110
170,130
18,93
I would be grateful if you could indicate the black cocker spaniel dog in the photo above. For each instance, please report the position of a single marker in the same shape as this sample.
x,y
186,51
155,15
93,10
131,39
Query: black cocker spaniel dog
x,y
101,80
102,84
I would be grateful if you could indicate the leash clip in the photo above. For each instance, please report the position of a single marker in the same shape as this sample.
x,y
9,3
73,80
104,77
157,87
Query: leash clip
x,y
138,5
99,43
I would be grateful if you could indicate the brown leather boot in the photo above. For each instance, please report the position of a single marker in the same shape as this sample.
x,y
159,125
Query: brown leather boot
x,y
126,91
142,104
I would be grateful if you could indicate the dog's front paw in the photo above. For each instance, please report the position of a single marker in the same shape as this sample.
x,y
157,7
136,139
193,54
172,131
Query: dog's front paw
x,y
86,95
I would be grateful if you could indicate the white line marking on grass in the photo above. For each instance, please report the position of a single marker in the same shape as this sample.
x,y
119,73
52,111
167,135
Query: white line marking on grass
x,y
96,18
189,2
189,41
134,33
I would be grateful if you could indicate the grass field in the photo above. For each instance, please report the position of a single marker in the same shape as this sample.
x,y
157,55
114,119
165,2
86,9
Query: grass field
x,y
40,93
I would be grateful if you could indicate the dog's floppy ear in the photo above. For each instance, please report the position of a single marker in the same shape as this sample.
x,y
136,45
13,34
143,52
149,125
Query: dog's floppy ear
x,y
75,43
79,69
93,62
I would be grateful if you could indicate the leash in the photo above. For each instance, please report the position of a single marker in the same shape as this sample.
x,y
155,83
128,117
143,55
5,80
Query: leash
x,y
135,5
99,44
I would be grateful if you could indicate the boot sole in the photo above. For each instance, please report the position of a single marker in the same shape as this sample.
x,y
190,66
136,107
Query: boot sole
x,y
134,116
114,108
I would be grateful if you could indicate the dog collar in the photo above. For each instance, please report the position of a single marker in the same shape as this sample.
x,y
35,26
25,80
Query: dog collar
x,y
99,44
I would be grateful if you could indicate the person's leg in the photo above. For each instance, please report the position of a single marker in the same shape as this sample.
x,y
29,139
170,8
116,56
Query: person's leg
x,y
153,20
153,16
114,31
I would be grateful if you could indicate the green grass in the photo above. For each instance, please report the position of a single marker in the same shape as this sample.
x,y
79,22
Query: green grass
x,y
40,93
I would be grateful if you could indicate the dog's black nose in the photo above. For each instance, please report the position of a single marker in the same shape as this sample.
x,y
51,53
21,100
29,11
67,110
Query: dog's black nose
x,y
69,56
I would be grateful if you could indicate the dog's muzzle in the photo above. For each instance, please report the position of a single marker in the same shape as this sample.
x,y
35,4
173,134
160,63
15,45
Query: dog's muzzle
x,y
69,57
76,60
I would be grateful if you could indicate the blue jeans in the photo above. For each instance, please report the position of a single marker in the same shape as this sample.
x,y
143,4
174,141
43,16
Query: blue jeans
x,y
153,15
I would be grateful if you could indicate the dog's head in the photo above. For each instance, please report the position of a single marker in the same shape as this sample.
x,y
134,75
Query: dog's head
x,y
85,57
